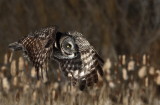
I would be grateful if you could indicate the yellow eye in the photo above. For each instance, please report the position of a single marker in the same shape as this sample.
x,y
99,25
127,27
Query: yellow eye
x,y
69,46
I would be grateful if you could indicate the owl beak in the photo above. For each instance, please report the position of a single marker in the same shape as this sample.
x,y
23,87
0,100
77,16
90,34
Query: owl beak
x,y
74,51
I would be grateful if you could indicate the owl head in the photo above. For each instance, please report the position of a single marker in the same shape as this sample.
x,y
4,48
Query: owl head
x,y
65,46
69,45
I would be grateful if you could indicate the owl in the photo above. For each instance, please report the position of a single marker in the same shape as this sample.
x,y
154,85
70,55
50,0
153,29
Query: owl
x,y
37,46
77,59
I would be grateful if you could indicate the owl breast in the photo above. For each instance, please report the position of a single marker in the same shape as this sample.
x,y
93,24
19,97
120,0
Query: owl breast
x,y
81,69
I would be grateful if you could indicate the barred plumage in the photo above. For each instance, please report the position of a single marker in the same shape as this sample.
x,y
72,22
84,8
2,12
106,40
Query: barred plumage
x,y
36,46
79,61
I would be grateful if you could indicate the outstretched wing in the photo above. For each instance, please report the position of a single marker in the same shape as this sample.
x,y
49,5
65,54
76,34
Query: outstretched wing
x,y
37,46
91,62
92,65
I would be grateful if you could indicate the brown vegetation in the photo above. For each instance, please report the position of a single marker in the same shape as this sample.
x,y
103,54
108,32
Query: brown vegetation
x,y
130,81
113,26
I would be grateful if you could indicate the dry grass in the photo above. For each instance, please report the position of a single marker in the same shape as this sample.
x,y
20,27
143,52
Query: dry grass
x,y
129,81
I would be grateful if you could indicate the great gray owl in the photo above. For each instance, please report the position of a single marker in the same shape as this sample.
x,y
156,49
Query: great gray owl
x,y
77,58
35,47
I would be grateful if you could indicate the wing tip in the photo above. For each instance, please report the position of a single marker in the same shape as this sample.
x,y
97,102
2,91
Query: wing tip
x,y
15,46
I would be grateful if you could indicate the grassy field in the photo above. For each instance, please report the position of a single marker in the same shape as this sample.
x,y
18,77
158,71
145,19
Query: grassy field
x,y
132,80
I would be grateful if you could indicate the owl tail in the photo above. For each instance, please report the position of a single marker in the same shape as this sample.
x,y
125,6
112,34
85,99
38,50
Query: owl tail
x,y
15,46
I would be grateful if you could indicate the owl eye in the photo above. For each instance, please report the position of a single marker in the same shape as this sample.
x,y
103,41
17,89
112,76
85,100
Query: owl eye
x,y
69,45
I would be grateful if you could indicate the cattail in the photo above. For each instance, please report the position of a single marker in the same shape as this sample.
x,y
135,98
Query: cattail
x,y
125,75
13,68
44,73
34,96
5,84
15,81
107,65
23,77
10,55
5,59
123,59
146,82
142,72
53,94
108,77
21,64
2,75
33,72
158,77
151,71
144,60
106,68
112,84
56,85
131,65
3,68
158,80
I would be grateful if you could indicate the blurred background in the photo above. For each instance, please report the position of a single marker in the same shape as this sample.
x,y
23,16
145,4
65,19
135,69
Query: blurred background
x,y
114,27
